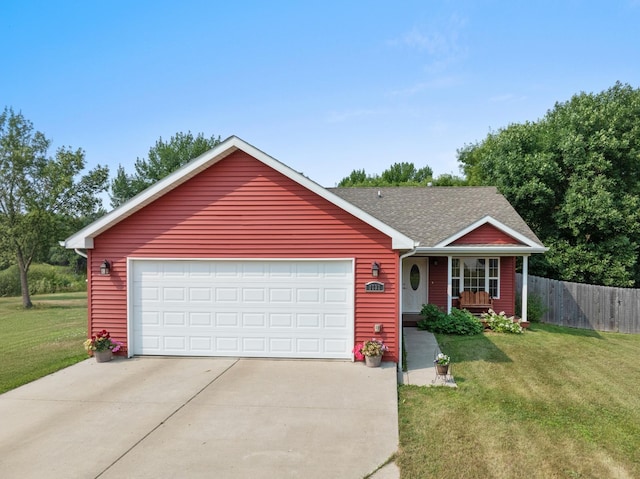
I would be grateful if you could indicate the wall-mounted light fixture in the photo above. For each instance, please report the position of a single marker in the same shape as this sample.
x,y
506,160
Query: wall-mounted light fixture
x,y
375,269
435,262
105,268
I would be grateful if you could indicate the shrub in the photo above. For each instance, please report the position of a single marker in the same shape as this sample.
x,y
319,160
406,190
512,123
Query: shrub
x,y
460,322
500,323
430,313
10,282
535,308
43,278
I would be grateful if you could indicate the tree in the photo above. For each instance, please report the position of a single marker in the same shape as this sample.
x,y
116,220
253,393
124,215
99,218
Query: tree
x,y
164,158
397,174
574,176
39,195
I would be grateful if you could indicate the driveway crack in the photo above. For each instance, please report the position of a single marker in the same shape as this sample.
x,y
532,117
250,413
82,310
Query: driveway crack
x,y
138,442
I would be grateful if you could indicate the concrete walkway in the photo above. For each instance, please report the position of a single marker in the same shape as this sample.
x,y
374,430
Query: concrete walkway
x,y
421,349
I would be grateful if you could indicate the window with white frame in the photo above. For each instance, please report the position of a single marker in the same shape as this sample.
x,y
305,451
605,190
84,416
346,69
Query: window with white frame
x,y
475,274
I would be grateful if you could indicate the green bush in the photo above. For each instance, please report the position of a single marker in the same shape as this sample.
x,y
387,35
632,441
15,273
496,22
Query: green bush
x,y
43,279
10,282
460,322
430,313
535,308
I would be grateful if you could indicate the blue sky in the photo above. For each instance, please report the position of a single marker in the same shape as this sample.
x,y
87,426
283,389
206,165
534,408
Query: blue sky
x,y
325,87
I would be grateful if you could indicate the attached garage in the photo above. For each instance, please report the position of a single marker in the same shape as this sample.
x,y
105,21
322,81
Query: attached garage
x,y
279,308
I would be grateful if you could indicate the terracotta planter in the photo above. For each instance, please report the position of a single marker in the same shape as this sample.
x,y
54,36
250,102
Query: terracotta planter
x,y
373,361
103,356
443,369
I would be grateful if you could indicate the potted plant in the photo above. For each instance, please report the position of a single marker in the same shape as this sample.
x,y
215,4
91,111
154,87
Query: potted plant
x,y
102,346
373,351
442,362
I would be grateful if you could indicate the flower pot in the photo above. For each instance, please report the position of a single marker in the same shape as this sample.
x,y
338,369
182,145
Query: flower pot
x,y
442,369
373,361
103,356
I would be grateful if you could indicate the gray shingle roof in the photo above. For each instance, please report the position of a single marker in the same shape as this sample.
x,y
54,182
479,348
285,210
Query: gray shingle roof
x,y
432,214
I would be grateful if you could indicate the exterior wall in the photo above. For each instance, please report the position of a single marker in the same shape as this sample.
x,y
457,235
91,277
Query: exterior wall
x,y
486,234
241,208
506,302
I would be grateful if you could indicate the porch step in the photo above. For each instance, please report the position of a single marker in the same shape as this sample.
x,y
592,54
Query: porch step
x,y
410,319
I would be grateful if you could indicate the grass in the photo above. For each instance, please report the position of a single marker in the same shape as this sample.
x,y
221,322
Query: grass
x,y
553,402
41,340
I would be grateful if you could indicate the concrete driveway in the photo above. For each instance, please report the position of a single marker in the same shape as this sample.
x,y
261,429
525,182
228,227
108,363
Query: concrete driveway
x,y
201,418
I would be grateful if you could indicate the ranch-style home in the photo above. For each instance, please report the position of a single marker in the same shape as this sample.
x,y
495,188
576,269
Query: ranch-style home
x,y
236,254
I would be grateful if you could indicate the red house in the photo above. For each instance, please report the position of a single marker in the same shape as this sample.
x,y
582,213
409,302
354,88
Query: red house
x,y
235,254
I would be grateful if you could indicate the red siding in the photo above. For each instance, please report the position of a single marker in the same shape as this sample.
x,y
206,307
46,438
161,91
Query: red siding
x,y
486,234
241,208
438,283
506,302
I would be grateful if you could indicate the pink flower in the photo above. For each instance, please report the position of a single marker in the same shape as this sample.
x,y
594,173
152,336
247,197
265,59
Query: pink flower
x,y
357,352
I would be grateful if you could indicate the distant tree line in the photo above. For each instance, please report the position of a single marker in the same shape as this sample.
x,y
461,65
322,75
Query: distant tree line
x,y
573,175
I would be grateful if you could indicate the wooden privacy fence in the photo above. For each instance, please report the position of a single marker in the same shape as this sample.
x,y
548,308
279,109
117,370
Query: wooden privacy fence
x,y
586,306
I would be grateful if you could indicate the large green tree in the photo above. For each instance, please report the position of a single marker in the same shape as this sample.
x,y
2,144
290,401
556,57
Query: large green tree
x,y
164,158
40,195
574,176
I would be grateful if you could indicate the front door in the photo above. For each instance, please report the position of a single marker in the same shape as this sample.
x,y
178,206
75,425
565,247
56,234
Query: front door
x,y
414,284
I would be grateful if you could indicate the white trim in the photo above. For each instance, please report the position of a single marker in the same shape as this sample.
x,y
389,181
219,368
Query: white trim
x,y
497,224
84,238
129,289
400,373
449,284
500,250
525,287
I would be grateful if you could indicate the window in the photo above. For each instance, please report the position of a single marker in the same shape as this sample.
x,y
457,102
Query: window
x,y
475,274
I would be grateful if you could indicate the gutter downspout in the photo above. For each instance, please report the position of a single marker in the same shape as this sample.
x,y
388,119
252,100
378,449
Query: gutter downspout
x,y
400,271
84,255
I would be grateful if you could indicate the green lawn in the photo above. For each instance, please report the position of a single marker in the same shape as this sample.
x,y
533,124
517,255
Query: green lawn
x,y
553,402
39,341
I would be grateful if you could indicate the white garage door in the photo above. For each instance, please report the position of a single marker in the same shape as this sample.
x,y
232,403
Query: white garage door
x,y
288,309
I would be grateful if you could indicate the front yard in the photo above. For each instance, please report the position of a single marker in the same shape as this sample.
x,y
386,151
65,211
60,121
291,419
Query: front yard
x,y
553,402
37,342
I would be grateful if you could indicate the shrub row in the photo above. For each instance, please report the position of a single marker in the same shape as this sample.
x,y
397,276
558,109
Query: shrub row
x,y
43,279
460,321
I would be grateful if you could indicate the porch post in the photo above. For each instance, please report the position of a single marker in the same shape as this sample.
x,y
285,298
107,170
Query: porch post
x,y
449,285
525,288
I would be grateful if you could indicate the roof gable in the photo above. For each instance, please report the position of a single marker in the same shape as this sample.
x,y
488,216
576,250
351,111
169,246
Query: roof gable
x,y
518,238
83,239
486,234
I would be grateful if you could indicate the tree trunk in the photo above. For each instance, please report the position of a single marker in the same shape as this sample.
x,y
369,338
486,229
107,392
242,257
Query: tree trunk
x,y
24,283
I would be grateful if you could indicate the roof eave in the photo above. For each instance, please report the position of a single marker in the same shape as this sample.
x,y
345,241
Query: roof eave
x,y
489,249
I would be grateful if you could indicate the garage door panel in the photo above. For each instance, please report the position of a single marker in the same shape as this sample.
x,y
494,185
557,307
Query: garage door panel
x,y
174,319
254,320
243,308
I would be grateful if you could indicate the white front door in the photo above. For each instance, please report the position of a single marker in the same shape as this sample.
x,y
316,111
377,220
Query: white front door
x,y
414,284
